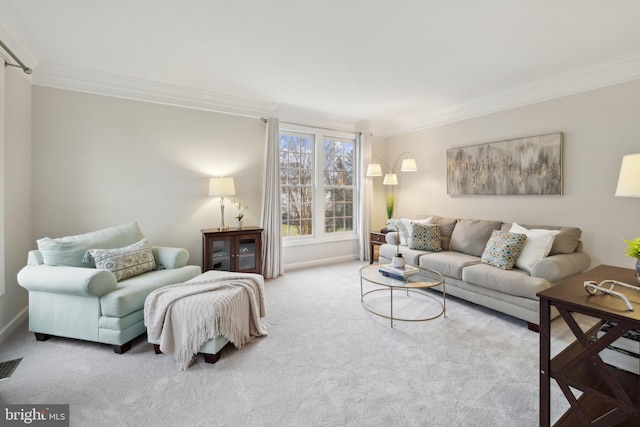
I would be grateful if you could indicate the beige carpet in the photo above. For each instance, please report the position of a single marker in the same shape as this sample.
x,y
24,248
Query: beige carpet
x,y
325,362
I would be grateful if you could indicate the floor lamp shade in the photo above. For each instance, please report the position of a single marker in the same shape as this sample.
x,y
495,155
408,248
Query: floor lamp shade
x,y
374,169
221,187
629,179
390,179
409,165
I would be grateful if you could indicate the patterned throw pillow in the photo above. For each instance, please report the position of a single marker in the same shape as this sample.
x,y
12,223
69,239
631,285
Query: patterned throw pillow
x,y
125,262
503,248
425,237
404,229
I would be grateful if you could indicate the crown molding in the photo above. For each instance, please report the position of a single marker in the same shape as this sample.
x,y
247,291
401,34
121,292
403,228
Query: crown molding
x,y
606,73
90,81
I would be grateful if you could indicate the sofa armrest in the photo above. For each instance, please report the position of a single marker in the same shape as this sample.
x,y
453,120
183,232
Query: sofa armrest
x,y
170,258
392,238
67,280
558,267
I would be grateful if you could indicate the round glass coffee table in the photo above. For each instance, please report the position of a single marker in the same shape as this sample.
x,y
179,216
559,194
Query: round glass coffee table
x,y
425,278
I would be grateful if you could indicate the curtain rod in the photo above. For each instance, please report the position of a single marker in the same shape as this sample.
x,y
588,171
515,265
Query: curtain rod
x,y
26,69
315,127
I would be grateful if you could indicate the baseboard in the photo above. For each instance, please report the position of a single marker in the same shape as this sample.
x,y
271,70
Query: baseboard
x,y
319,262
13,324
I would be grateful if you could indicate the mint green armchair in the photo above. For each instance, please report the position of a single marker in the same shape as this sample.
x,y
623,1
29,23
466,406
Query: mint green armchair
x,y
87,303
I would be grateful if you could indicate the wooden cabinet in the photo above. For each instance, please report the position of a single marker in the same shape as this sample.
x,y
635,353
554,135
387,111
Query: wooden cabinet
x,y
608,395
232,250
375,239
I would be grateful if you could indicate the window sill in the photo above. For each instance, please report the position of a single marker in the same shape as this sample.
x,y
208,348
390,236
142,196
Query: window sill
x,y
303,241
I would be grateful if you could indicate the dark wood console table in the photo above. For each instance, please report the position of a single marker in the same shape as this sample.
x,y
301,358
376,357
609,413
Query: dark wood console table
x,y
610,396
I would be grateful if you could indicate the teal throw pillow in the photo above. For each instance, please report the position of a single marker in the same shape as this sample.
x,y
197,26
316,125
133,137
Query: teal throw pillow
x,y
125,262
425,237
503,249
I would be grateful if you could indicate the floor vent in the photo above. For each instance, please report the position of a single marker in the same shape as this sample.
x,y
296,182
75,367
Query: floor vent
x,y
7,368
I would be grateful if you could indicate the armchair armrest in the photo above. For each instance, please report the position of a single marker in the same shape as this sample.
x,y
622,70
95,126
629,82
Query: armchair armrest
x,y
67,280
170,258
558,267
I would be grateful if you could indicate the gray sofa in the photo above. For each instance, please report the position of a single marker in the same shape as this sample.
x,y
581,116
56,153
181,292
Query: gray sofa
x,y
513,291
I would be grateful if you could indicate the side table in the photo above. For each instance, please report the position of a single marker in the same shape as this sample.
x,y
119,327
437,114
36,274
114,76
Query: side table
x,y
375,239
609,395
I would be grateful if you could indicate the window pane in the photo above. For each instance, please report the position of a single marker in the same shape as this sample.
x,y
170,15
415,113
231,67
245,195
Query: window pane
x,y
329,226
348,224
296,177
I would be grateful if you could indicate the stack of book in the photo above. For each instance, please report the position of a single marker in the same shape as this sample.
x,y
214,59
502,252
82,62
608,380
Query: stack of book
x,y
623,352
388,270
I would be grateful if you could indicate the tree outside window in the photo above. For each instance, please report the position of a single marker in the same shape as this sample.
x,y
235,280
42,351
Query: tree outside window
x,y
318,184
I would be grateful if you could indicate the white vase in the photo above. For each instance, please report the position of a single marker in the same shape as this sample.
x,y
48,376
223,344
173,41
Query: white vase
x,y
238,224
398,261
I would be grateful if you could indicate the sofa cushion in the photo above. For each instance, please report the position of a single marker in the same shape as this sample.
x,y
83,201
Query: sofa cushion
x,y
424,237
70,250
537,246
411,256
131,293
470,236
446,228
503,248
449,263
125,262
565,243
513,282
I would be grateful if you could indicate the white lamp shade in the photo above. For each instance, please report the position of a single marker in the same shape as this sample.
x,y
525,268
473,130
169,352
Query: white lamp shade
x,y
409,165
220,187
629,179
390,179
374,169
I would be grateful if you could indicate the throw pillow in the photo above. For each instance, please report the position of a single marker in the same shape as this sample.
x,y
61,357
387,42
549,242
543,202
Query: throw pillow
x,y
537,246
503,248
405,230
425,237
70,250
125,262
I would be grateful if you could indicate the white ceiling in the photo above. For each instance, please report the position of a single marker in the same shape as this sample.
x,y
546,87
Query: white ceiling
x,y
389,66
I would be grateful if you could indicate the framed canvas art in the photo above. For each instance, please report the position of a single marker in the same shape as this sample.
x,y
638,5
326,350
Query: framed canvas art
x,y
525,166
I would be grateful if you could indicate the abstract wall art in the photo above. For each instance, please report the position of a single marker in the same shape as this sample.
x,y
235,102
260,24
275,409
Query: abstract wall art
x,y
523,166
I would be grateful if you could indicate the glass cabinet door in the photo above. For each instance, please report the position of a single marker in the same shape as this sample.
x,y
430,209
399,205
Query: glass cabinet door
x,y
221,255
247,253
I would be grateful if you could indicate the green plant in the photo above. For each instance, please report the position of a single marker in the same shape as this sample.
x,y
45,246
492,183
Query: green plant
x,y
241,210
633,247
390,204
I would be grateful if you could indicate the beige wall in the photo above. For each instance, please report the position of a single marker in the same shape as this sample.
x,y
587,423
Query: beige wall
x,y
101,161
599,127
16,196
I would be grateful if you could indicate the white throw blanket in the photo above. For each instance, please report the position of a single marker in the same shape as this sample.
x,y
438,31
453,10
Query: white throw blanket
x,y
184,316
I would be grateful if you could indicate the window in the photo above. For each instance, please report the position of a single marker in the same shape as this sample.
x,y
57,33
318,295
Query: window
x,y
318,177
296,182
339,188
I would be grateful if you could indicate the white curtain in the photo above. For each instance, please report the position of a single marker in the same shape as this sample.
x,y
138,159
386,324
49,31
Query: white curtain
x,y
365,199
272,239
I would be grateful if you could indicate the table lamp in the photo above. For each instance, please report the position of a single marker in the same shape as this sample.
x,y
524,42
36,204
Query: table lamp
x,y
221,187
